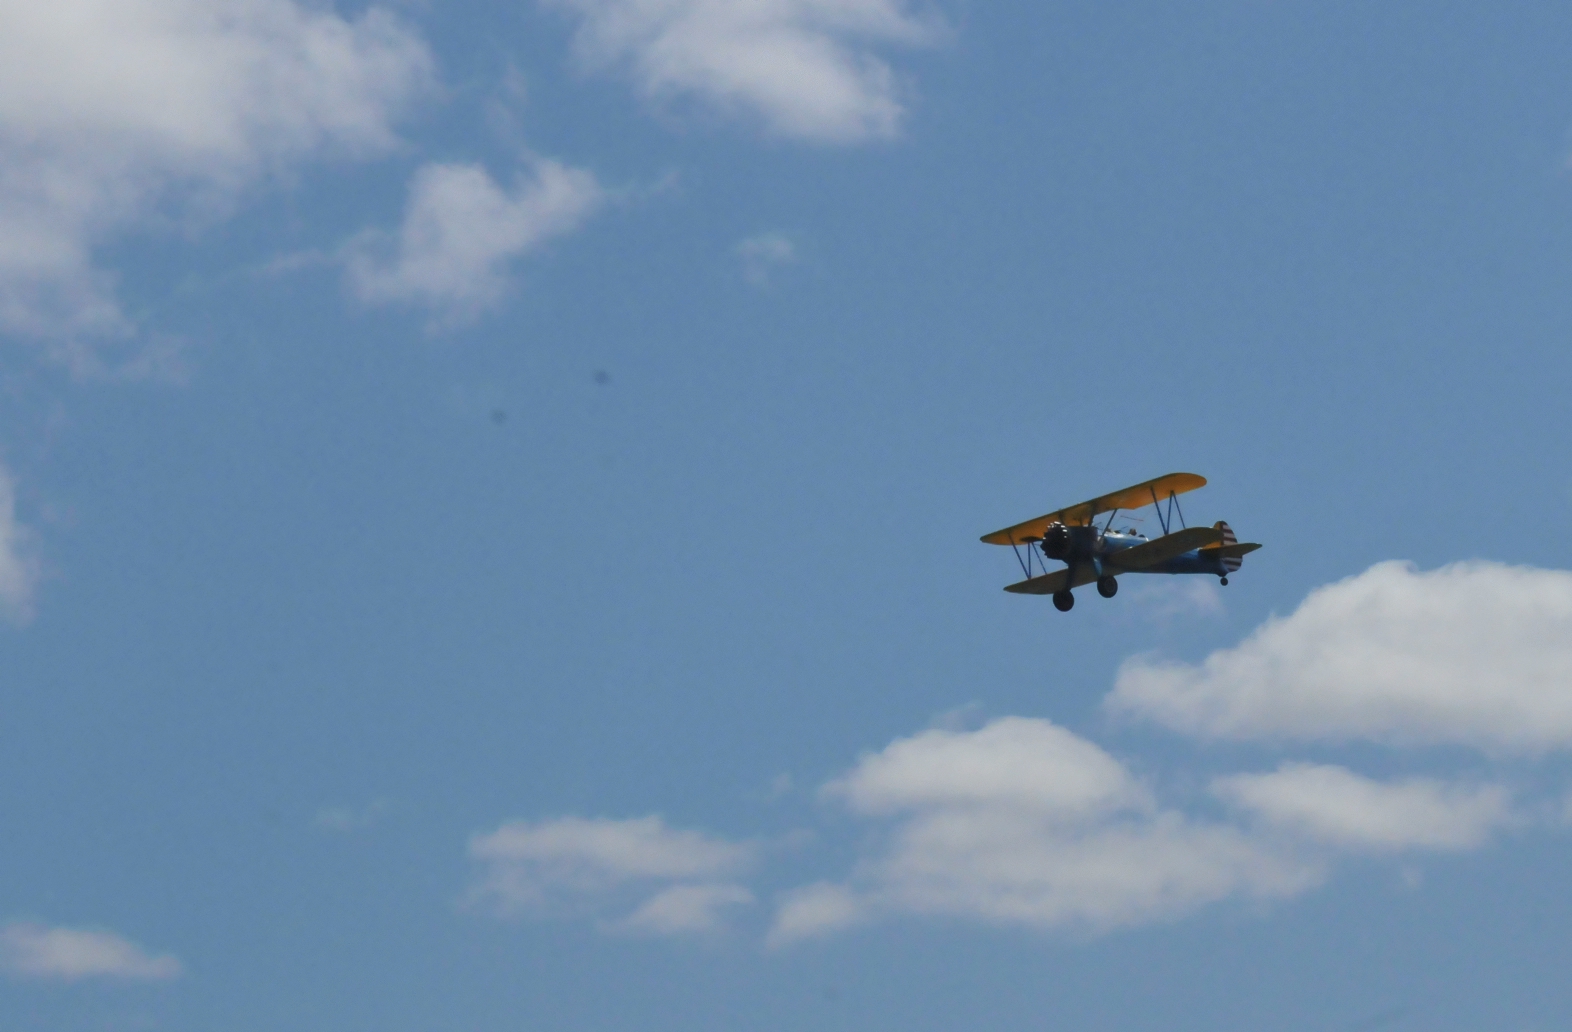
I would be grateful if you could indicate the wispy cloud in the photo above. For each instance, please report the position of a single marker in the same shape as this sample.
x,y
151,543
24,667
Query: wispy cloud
x,y
684,909
1333,805
1166,599
348,818
461,232
36,951
806,69
763,252
19,568
817,910
684,878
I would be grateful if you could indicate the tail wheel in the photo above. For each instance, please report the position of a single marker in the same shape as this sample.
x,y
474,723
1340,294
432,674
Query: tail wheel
x,y
1107,587
1225,581
1063,601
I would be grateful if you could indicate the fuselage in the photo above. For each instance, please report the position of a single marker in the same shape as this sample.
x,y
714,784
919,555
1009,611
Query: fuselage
x,y
1105,548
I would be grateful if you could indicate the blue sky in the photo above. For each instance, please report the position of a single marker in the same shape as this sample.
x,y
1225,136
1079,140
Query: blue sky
x,y
489,499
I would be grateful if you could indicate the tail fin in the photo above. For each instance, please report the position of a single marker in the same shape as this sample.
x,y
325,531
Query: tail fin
x,y
1231,563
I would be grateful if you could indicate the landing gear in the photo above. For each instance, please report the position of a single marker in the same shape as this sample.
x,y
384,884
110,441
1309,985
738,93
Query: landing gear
x,y
1225,582
1063,601
1107,587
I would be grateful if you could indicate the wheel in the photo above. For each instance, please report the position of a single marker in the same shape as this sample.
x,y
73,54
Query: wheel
x,y
1225,582
1063,601
1107,587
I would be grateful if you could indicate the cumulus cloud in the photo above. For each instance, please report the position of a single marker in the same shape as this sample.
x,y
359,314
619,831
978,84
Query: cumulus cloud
x,y
1334,805
804,68
1023,822
72,954
461,231
580,863
1018,762
118,113
1475,653
18,566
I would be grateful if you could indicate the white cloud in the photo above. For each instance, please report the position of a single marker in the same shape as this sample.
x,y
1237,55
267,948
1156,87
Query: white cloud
x,y
72,954
1168,598
803,67
116,114
1022,822
1018,762
816,910
18,567
762,252
596,851
1334,805
1475,653
1005,867
684,909
460,232
580,862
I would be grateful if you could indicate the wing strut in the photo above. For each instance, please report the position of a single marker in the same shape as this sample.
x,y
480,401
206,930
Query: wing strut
x,y
1026,566
1173,503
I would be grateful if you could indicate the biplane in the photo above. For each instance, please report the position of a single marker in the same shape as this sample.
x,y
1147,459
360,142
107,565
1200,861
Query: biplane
x,y
1102,554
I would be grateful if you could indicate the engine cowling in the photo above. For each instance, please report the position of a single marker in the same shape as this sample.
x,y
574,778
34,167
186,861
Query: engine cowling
x,y
1056,541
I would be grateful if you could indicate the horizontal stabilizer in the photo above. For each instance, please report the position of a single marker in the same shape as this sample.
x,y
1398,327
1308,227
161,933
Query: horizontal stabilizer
x,y
1238,551
1230,553
1165,548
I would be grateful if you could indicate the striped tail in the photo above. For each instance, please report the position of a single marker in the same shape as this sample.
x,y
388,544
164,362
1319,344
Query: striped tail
x,y
1231,563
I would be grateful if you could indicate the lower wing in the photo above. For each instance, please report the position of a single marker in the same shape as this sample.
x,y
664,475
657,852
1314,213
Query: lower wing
x,y
1059,580
1130,559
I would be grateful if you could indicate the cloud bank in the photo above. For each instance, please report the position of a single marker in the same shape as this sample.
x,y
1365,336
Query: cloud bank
x,y
1025,823
116,114
1476,654
805,69
35,951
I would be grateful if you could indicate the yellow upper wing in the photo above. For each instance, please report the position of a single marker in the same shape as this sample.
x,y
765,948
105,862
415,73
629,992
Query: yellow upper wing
x,y
1149,492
